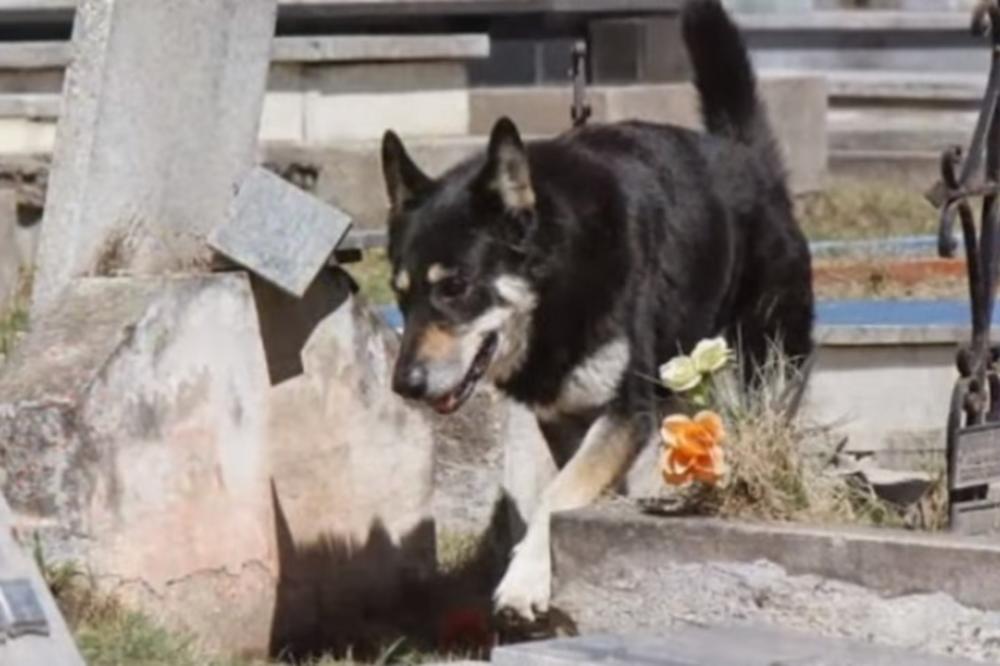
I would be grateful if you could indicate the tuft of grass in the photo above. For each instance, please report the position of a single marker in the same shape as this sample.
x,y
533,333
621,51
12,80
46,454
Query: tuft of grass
x,y
14,318
780,467
865,210
372,274
108,633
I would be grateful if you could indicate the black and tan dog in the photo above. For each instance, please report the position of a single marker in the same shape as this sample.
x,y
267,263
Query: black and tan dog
x,y
566,271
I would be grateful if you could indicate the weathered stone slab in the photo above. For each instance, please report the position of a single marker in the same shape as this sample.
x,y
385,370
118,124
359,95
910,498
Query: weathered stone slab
x,y
647,49
280,232
888,561
145,168
52,643
133,424
711,646
617,570
352,479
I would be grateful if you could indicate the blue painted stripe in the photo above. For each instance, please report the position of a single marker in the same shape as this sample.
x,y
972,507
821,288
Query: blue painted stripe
x,y
898,246
847,313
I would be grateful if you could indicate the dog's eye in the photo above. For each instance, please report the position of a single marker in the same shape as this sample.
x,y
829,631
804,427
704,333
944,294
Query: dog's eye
x,y
453,286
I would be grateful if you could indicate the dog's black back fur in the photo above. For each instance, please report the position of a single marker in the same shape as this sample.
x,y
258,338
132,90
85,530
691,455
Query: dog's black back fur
x,y
656,233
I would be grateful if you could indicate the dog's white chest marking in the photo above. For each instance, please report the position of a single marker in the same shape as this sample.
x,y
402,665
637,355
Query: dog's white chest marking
x,y
515,332
591,384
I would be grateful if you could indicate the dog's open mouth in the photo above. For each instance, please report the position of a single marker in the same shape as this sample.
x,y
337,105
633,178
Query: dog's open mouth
x,y
449,402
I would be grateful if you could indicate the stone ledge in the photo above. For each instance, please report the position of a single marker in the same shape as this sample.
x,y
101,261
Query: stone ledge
x,y
889,84
696,645
890,562
844,20
368,48
314,49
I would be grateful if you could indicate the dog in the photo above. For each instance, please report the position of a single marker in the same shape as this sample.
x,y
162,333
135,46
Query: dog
x,y
567,271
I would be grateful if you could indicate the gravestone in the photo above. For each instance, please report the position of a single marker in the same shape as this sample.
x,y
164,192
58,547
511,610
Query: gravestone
x,y
32,631
133,416
133,434
280,232
158,124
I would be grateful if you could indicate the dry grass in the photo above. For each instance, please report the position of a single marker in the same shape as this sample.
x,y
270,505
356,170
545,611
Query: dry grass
x,y
110,634
372,275
780,467
857,211
14,321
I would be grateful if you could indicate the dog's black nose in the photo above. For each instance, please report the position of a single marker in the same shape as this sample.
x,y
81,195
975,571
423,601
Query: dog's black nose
x,y
410,382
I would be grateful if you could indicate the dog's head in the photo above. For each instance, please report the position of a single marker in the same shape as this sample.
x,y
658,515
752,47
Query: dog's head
x,y
458,268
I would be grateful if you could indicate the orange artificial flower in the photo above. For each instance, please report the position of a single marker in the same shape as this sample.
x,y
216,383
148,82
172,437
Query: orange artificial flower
x,y
693,449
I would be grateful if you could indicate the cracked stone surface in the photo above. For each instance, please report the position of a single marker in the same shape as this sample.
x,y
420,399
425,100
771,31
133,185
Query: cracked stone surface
x,y
133,443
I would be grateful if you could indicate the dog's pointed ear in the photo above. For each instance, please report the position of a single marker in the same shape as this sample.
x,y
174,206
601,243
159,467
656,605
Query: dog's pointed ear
x,y
403,178
506,172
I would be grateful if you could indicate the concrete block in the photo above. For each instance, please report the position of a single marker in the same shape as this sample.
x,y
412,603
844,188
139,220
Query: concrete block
x,y
355,116
637,50
133,425
621,571
21,136
366,78
711,646
348,102
56,645
283,118
353,471
279,232
797,106
855,388
380,48
589,544
145,168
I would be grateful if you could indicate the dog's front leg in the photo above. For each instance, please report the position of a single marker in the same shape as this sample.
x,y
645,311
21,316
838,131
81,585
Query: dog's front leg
x,y
607,450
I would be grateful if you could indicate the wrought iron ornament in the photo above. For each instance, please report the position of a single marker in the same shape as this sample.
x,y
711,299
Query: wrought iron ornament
x,y
973,431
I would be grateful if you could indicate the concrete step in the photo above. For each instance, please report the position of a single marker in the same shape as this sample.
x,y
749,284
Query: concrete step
x,y
897,129
864,21
856,86
619,570
914,41
696,645
913,169
28,55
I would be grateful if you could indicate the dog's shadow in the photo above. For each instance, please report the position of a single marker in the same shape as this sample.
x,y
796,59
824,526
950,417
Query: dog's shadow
x,y
352,600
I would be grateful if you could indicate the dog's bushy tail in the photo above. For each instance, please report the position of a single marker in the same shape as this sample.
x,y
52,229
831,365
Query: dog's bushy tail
x,y
725,78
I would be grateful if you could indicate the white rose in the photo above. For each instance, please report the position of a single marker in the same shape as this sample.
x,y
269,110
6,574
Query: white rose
x,y
680,374
710,355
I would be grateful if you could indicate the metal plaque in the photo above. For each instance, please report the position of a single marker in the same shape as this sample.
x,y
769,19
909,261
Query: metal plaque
x,y
279,232
977,456
20,610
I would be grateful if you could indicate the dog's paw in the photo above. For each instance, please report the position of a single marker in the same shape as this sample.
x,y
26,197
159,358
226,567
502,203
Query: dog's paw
x,y
523,594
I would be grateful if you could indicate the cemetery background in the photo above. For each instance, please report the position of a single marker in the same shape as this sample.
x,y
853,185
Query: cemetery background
x,y
413,491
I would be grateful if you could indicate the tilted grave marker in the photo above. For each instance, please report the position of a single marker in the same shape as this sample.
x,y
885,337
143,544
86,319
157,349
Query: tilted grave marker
x,y
279,232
